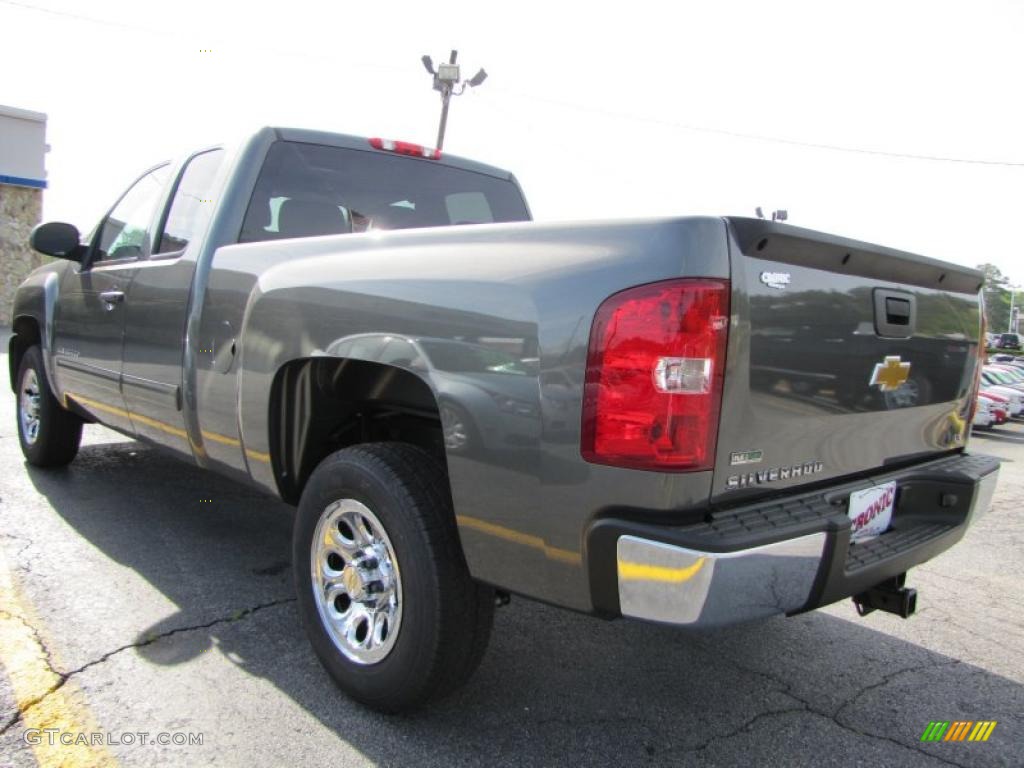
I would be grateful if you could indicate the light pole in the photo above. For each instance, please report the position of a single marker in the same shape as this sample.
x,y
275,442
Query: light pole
x,y
446,80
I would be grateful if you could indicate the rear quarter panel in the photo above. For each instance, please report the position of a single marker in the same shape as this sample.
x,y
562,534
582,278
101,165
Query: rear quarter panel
x,y
523,496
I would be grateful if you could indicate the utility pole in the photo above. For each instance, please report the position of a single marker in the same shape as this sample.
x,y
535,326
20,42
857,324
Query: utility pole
x,y
447,80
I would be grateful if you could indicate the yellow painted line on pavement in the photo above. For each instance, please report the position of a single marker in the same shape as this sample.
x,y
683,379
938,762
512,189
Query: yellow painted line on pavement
x,y
33,680
642,572
519,537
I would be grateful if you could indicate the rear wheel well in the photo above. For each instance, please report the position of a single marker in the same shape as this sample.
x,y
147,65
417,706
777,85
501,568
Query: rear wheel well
x,y
321,405
25,333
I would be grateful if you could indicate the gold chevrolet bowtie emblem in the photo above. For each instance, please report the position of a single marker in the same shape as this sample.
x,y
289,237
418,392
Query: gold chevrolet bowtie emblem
x,y
890,374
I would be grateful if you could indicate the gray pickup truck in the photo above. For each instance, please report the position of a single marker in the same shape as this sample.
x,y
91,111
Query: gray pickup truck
x,y
697,421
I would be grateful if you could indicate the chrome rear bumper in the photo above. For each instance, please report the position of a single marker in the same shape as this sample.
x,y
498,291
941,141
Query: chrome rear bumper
x,y
674,584
661,582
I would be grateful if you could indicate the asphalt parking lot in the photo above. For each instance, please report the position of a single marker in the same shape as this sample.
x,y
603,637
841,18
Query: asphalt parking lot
x,y
142,596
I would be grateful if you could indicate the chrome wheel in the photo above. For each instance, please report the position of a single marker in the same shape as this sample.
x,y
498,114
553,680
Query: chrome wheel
x,y
456,434
356,582
28,406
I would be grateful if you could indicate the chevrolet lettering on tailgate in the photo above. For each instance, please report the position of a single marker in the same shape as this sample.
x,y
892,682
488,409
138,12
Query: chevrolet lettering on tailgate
x,y
762,476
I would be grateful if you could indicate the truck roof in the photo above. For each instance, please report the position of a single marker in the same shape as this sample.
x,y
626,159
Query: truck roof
x,y
363,143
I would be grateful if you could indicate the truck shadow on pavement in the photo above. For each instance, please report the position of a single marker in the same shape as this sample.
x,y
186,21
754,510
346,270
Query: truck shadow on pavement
x,y
555,687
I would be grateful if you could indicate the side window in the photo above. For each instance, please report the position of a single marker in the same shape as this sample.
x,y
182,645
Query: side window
x,y
192,193
468,208
124,232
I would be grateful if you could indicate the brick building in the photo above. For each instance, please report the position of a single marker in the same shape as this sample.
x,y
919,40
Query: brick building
x,y
22,181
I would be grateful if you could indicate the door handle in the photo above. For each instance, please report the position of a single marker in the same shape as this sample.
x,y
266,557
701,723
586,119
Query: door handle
x,y
110,298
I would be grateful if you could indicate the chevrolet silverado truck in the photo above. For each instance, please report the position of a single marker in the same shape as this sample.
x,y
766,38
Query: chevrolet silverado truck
x,y
697,421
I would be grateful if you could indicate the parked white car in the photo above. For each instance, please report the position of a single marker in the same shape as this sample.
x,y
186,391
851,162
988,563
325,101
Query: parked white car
x,y
996,376
1015,396
983,416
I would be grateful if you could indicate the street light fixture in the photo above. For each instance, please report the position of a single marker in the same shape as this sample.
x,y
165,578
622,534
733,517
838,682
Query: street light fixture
x,y
778,215
446,80
448,74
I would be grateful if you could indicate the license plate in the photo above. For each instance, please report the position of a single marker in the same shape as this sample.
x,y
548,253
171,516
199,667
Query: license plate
x,y
870,511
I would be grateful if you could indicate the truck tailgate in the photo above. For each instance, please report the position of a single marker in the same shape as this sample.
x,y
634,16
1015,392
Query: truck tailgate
x,y
843,358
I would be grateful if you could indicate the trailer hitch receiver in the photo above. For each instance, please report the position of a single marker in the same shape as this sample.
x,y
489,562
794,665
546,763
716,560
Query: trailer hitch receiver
x,y
889,596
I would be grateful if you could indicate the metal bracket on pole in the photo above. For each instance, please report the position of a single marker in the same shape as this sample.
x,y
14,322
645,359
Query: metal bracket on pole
x,y
446,78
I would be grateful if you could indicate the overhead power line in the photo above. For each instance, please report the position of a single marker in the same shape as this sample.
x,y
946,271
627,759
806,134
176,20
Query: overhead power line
x,y
759,137
176,34
782,140
79,17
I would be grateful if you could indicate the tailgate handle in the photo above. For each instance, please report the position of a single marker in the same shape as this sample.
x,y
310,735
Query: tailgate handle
x,y
895,313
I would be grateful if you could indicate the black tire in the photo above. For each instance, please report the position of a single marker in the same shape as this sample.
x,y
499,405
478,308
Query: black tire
x,y
446,616
59,431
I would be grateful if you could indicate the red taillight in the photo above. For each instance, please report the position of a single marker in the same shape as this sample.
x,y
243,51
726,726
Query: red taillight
x,y
406,148
654,376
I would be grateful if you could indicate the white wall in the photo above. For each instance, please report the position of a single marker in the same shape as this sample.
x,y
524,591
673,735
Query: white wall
x,y
22,144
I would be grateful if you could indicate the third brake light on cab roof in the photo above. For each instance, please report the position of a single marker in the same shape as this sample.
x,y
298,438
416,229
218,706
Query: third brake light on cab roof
x,y
406,148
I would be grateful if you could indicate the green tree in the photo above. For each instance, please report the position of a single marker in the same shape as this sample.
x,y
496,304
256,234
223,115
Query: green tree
x,y
998,298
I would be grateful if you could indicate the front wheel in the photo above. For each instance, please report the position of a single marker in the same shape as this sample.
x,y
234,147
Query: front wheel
x,y
49,434
383,589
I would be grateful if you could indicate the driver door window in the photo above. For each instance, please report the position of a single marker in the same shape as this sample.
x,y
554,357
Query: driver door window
x,y
125,232
90,316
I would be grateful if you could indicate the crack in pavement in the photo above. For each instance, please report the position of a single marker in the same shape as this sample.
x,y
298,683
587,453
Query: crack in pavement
x,y
951,619
63,677
888,679
786,689
21,550
47,656
880,684
749,724
745,727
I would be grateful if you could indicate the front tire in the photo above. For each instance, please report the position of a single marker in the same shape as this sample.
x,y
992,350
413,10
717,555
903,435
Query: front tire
x,y
383,589
49,434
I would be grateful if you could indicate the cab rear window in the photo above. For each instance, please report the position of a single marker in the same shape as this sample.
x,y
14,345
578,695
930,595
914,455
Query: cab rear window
x,y
306,190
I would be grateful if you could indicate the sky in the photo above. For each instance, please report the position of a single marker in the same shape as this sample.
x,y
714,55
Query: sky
x,y
837,113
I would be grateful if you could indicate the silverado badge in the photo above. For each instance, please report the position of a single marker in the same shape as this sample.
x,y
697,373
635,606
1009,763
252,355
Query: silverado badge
x,y
890,374
762,476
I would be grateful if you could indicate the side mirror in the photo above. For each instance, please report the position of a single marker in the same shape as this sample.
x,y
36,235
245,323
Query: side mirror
x,y
55,238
